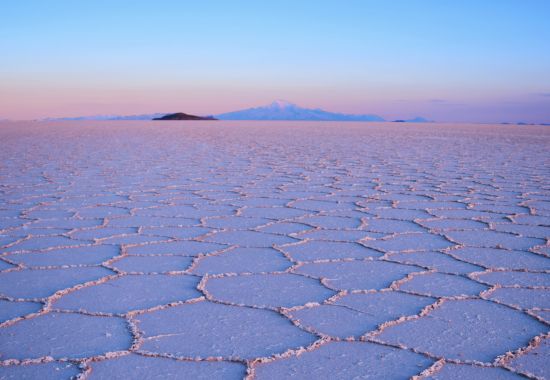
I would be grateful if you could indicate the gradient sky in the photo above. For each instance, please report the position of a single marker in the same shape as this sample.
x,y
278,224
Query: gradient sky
x,y
447,60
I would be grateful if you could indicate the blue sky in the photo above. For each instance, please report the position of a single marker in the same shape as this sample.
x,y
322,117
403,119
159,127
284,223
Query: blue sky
x,y
480,61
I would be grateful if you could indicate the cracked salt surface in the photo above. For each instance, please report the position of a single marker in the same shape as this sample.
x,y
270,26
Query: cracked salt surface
x,y
451,371
274,250
152,367
267,290
463,329
346,360
61,335
50,370
207,329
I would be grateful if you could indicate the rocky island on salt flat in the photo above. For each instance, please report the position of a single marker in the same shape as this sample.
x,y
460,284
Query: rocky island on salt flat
x,y
183,116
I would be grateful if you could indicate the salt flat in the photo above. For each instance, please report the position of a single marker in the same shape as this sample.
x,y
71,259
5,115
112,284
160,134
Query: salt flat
x,y
274,250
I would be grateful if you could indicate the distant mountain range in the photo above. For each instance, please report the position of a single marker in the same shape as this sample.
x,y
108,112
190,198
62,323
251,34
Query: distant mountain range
x,y
283,110
149,116
524,123
278,110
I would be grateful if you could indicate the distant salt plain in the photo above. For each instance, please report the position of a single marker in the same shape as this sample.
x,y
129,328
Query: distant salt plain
x,y
273,250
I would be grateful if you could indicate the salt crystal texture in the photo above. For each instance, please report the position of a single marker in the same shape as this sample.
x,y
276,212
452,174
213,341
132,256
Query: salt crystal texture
x,y
273,250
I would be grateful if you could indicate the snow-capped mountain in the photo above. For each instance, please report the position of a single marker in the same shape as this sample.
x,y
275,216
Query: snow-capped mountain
x,y
283,110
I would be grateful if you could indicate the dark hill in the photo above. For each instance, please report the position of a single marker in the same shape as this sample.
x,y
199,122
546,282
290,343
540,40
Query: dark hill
x,y
183,116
